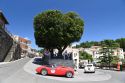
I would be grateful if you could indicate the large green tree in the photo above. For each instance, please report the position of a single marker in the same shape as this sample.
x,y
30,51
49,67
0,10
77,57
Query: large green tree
x,y
112,44
107,57
54,29
108,42
121,42
107,50
88,44
115,60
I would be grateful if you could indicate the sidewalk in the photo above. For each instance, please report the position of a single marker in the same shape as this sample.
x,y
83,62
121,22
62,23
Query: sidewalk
x,y
1,63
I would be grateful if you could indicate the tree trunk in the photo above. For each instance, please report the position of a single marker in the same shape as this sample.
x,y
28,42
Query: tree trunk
x,y
60,56
109,66
51,53
60,51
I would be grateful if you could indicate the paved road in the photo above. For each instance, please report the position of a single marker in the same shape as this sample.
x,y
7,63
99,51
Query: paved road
x,y
7,70
14,73
117,77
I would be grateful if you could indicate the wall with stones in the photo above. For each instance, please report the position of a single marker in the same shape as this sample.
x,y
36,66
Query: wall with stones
x,y
5,44
17,53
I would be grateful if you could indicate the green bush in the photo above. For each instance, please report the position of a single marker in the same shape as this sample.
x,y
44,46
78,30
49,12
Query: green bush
x,y
85,56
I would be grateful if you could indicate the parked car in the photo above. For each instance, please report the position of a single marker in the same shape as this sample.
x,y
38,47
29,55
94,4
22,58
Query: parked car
x,y
81,65
38,61
89,68
55,70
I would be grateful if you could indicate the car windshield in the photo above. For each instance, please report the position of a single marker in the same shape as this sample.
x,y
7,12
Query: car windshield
x,y
52,65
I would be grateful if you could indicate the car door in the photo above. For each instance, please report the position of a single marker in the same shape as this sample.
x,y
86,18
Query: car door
x,y
53,71
60,70
50,70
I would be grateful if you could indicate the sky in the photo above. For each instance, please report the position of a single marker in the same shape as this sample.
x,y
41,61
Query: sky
x,y
103,19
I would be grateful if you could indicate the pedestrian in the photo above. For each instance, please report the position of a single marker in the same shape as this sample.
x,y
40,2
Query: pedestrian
x,y
46,56
46,52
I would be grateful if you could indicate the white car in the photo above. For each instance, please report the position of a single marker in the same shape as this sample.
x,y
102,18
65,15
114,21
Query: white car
x,y
89,68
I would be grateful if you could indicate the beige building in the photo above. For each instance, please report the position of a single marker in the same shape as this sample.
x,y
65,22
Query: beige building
x,y
119,52
27,51
95,52
70,54
74,55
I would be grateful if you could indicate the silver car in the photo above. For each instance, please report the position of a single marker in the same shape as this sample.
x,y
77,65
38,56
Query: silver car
x,y
89,68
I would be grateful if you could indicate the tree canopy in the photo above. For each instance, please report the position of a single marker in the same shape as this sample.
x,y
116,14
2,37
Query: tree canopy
x,y
105,43
109,44
121,42
107,51
54,29
85,56
107,57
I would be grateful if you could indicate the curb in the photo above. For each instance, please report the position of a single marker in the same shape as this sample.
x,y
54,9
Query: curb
x,y
1,63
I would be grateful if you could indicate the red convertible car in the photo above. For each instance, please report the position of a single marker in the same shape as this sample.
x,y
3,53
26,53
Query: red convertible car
x,y
56,70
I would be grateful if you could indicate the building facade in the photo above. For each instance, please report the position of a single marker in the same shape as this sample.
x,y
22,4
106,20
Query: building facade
x,y
8,49
70,54
24,44
95,52
3,20
27,50
119,52
5,39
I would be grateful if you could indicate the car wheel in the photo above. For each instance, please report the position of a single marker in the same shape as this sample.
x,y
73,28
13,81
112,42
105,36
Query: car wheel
x,y
44,72
69,75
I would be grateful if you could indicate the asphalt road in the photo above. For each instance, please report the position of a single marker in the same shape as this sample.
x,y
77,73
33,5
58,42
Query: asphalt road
x,y
14,73
7,70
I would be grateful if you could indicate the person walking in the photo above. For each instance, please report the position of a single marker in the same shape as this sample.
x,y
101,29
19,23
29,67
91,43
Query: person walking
x,y
46,56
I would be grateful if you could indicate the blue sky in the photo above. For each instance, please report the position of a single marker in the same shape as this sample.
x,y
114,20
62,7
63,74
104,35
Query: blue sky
x,y
104,19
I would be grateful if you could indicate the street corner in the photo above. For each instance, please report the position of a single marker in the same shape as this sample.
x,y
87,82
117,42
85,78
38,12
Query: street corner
x,y
30,67
79,76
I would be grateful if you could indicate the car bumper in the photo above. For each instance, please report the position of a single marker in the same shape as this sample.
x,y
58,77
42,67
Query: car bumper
x,y
89,71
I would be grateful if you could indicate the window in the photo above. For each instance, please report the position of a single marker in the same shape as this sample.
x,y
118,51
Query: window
x,y
75,54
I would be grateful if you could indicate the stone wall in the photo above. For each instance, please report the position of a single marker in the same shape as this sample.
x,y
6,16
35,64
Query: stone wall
x,y
5,43
17,53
